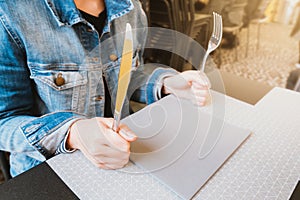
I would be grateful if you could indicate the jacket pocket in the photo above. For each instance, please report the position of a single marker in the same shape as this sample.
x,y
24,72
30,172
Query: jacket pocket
x,y
61,89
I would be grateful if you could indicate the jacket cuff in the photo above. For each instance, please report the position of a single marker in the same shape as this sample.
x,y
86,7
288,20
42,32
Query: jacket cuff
x,y
46,133
155,83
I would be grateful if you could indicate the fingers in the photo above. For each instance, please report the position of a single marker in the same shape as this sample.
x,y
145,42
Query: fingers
x,y
196,85
112,159
126,133
200,93
107,151
182,84
124,130
114,140
110,166
200,86
196,77
205,79
108,158
190,84
103,166
201,101
106,122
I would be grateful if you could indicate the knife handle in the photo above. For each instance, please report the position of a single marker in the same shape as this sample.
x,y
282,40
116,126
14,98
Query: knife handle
x,y
116,121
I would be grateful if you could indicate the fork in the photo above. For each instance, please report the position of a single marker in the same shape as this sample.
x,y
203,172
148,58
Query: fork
x,y
215,38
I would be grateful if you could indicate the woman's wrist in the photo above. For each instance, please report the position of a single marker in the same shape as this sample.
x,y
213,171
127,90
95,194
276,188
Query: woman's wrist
x,y
71,139
164,89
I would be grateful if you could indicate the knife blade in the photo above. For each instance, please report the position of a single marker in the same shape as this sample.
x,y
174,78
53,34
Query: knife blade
x,y
124,76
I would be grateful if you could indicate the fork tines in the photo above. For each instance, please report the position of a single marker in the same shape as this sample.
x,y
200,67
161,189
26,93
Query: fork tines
x,y
217,29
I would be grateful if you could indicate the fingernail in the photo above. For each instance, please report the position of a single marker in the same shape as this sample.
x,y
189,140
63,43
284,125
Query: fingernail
x,y
127,134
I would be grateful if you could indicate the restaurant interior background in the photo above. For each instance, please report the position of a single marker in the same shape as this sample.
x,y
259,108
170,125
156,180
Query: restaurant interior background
x,y
262,49
267,56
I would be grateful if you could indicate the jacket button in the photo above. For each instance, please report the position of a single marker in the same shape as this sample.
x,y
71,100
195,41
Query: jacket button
x,y
95,59
98,98
59,81
113,57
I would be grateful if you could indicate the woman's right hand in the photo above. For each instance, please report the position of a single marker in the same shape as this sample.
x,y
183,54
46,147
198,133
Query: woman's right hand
x,y
104,147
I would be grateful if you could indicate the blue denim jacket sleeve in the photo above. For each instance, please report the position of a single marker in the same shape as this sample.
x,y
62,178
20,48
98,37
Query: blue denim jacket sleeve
x,y
46,133
20,130
154,83
146,82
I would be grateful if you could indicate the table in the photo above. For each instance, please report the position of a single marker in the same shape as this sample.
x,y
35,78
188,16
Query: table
x,y
267,166
41,182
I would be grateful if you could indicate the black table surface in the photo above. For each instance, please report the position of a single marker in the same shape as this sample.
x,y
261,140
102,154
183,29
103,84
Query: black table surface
x,y
296,193
40,182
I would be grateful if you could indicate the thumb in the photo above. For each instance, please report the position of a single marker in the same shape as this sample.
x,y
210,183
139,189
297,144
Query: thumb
x,y
126,133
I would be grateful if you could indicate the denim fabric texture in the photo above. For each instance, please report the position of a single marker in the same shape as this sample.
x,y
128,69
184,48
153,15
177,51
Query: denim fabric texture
x,y
45,39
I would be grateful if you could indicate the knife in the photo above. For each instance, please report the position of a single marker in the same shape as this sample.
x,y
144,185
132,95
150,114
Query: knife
x,y
124,76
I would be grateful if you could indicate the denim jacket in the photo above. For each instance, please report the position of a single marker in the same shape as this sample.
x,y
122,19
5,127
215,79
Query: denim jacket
x,y
43,41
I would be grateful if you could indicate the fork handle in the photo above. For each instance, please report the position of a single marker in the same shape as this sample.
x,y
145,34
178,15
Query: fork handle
x,y
204,61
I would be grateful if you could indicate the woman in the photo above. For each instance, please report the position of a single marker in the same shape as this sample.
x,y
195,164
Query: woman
x,y
57,82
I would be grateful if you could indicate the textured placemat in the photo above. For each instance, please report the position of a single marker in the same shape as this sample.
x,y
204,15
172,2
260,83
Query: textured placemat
x,y
267,166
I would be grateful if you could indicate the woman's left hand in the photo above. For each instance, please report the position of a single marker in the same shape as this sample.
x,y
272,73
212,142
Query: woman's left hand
x,y
192,85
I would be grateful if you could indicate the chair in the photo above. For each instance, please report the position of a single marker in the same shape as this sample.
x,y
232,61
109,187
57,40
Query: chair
x,y
293,80
255,16
4,165
258,22
178,15
297,85
298,64
163,14
234,29
194,23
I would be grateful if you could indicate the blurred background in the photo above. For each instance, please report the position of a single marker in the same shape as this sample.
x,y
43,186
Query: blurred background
x,y
260,38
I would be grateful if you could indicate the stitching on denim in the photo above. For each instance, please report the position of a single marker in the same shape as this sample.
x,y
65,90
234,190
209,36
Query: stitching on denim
x,y
12,34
